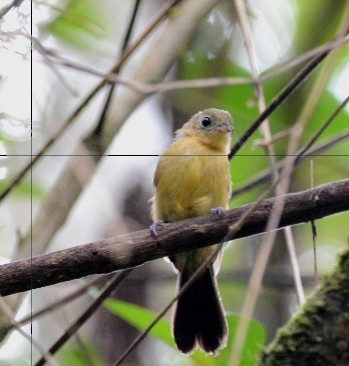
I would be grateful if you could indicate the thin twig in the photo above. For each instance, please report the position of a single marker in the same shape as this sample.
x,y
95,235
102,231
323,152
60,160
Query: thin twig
x,y
275,216
290,88
151,88
6,9
98,130
83,104
265,177
313,229
265,130
55,305
11,316
109,287
322,129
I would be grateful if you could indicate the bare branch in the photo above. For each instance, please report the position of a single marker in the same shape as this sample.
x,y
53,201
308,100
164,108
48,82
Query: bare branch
x,y
7,8
136,248
148,88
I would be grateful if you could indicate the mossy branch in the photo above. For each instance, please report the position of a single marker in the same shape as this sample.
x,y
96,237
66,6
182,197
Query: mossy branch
x,y
318,334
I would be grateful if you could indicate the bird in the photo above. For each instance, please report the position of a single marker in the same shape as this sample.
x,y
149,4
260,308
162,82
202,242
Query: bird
x,y
192,178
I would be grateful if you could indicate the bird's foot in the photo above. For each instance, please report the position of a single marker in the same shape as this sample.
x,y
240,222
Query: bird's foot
x,y
154,228
217,210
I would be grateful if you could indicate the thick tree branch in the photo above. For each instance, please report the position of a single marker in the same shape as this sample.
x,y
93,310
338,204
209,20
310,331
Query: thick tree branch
x,y
136,248
318,334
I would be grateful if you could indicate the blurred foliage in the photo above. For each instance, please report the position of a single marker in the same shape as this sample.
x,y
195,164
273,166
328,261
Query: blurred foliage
x,y
217,50
141,318
240,100
25,189
77,24
82,355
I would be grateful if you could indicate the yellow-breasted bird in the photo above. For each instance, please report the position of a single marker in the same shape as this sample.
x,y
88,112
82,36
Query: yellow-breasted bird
x,y
192,178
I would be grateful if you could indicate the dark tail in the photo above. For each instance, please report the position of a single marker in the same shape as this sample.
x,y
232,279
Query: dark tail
x,y
199,317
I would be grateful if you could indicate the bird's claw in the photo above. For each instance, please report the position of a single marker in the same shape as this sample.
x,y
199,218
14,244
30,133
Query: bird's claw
x,y
154,228
217,210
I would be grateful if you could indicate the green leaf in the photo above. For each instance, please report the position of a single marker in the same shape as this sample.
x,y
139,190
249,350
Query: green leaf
x,y
25,189
78,23
254,341
140,318
78,356
253,345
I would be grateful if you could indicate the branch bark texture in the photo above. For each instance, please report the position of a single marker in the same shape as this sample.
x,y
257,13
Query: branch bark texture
x,y
319,333
136,248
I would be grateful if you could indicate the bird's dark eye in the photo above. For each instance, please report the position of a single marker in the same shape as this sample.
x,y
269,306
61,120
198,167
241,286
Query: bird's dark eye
x,y
206,121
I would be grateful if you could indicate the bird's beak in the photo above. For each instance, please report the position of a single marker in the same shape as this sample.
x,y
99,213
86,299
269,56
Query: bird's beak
x,y
224,129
